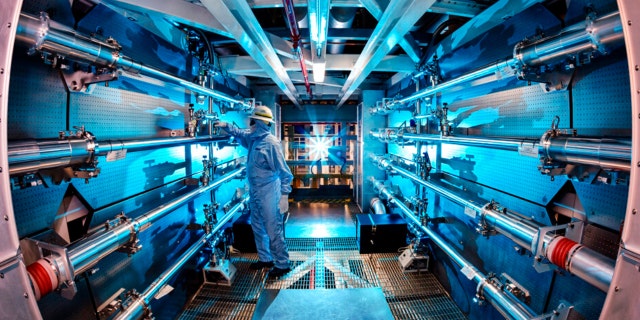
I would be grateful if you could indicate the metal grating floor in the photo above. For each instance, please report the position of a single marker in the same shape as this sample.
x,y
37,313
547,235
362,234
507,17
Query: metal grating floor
x,y
327,263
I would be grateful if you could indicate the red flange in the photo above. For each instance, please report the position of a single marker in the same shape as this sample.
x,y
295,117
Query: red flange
x,y
560,248
43,278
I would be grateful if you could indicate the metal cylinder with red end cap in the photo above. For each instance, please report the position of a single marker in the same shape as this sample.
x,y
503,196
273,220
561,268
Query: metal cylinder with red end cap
x,y
43,277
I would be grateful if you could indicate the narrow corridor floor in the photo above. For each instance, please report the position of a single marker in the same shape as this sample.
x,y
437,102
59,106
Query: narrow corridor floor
x,y
327,263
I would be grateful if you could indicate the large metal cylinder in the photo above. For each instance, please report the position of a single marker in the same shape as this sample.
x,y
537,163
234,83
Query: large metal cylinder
x,y
602,34
137,308
86,253
612,154
33,155
42,34
521,231
507,307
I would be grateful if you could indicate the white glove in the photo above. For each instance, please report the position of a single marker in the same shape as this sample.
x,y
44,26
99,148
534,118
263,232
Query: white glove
x,y
220,124
284,203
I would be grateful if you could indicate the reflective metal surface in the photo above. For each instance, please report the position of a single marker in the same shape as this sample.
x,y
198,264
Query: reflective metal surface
x,y
38,32
508,308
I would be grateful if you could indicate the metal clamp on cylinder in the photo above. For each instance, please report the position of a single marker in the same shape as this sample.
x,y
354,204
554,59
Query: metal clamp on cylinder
x,y
479,298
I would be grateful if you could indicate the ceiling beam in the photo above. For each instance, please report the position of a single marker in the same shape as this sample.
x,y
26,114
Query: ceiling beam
x,y
263,4
397,20
238,19
159,12
460,8
245,65
284,48
468,9
407,43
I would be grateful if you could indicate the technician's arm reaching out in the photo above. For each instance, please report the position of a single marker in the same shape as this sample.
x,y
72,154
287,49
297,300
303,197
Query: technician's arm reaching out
x,y
240,134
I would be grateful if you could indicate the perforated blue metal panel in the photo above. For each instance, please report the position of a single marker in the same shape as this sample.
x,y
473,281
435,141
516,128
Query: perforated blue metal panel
x,y
37,99
608,106
111,113
603,204
521,112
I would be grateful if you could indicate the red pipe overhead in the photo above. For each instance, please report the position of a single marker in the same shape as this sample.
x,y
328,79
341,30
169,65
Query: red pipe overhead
x,y
295,36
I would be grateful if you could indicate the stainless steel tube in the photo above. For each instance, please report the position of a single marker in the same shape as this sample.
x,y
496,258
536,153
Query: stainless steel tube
x,y
588,265
486,71
507,307
43,35
602,34
88,252
33,155
612,154
509,144
136,309
389,166
155,214
592,267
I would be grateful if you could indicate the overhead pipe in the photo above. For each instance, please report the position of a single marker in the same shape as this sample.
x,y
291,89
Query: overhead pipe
x,y
295,36
140,305
32,155
42,34
590,266
508,307
601,34
614,154
89,251
340,18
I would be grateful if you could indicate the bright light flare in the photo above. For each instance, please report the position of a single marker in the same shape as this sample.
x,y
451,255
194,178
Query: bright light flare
x,y
319,148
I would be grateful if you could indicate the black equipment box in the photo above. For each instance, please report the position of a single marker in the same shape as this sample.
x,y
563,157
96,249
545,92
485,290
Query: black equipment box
x,y
378,233
243,239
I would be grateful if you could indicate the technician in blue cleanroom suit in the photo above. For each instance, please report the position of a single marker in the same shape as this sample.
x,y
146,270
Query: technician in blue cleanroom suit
x,y
269,187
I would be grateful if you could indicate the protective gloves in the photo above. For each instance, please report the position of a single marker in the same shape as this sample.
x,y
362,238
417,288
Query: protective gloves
x,y
284,203
220,124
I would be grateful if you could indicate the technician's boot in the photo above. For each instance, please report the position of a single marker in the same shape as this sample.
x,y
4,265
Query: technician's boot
x,y
277,272
259,265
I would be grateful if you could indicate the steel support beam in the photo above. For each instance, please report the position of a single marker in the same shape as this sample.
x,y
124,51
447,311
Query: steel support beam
x,y
407,43
455,8
396,21
245,65
238,19
155,15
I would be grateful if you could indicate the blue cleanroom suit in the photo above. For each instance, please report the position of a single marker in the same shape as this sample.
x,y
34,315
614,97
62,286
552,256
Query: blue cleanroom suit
x,y
269,178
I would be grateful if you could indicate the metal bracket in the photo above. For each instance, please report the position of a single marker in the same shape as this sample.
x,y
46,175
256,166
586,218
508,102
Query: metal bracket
x,y
58,255
111,305
515,288
537,246
562,312
79,81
